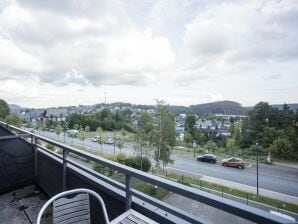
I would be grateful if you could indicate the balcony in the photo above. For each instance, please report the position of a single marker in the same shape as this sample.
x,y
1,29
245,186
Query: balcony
x,y
28,170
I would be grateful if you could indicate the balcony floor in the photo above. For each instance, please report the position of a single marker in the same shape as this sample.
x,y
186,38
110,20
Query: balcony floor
x,y
21,205
206,212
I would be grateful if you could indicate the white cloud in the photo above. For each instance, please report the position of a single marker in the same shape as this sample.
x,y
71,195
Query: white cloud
x,y
104,48
233,37
186,52
14,61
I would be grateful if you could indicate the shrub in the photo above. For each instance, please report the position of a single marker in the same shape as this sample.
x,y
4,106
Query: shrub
x,y
138,163
121,158
132,161
150,189
50,147
102,169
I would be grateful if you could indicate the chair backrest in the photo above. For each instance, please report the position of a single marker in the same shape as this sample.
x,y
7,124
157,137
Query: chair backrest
x,y
70,210
74,209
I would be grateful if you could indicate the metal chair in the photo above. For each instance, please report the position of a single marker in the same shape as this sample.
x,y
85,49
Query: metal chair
x,y
72,210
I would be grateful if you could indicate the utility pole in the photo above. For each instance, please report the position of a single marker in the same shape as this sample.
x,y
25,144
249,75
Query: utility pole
x,y
257,145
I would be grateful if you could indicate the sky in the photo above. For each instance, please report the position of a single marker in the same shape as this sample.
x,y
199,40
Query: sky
x,y
59,53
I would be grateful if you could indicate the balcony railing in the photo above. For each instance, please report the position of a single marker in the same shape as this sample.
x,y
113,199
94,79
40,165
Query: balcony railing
x,y
171,214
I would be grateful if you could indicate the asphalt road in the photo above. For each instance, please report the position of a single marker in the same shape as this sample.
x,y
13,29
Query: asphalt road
x,y
271,177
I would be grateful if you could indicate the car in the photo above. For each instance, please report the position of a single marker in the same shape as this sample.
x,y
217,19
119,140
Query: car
x,y
95,139
233,162
209,158
109,141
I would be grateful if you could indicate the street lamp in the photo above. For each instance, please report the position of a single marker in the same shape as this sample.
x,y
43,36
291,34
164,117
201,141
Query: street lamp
x,y
257,147
114,143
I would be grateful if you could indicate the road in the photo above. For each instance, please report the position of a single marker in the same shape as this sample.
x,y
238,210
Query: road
x,y
271,177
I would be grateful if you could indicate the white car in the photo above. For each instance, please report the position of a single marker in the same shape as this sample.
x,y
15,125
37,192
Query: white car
x,y
95,139
109,141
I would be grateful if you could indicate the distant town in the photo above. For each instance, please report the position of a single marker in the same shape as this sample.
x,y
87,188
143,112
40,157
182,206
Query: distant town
x,y
215,116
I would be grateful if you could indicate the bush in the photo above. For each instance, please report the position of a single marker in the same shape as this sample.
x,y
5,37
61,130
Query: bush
x,y
211,147
121,158
138,163
102,169
132,161
50,147
150,189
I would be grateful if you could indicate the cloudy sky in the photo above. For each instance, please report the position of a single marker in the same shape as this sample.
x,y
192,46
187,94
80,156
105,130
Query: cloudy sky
x,y
55,52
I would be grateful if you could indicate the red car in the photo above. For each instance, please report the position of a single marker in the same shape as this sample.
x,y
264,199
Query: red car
x,y
234,162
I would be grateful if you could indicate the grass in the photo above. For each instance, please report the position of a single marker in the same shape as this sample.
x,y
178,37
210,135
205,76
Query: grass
x,y
149,189
234,192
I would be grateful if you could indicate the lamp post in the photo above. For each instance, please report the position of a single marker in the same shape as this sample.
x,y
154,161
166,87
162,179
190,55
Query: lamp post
x,y
114,142
257,146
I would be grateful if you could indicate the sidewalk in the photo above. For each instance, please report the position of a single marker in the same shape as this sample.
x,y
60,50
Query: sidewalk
x,y
291,165
243,187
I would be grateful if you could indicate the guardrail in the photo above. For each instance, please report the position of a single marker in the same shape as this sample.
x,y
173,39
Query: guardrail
x,y
238,209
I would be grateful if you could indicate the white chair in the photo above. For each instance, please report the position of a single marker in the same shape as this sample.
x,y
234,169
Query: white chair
x,y
72,210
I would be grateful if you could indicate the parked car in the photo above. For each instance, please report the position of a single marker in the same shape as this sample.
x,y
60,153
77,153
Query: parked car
x,y
109,141
233,162
95,139
209,158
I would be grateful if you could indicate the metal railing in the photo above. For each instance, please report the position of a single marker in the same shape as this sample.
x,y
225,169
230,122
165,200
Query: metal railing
x,y
238,209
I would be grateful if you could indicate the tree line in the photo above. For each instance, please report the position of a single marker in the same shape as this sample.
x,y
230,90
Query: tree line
x,y
274,131
104,118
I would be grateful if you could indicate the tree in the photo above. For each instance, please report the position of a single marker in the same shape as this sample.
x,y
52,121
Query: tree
x,y
108,123
4,109
13,120
99,133
231,144
64,128
144,132
38,127
211,146
282,146
164,134
82,136
201,136
120,142
274,129
58,130
187,138
75,120
268,136
190,122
